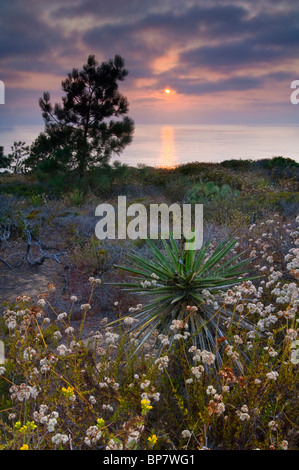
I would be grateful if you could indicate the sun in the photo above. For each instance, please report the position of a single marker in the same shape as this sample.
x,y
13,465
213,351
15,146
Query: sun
x,y
167,91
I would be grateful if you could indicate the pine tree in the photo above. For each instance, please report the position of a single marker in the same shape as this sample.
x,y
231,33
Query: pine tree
x,y
3,158
18,156
79,132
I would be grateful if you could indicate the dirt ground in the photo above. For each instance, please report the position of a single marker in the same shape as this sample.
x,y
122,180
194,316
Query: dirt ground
x,y
28,280
22,278
68,280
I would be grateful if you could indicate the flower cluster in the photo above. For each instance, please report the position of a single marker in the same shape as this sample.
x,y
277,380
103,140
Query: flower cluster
x,y
48,419
69,393
243,413
145,406
23,392
93,435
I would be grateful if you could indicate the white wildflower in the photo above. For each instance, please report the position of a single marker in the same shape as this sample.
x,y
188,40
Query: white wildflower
x,y
186,434
284,445
60,439
210,390
85,307
61,316
272,375
70,330
29,353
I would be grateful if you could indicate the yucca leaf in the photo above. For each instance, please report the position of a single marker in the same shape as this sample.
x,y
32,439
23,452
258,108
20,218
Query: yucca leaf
x,y
159,256
200,257
173,245
216,257
171,256
183,275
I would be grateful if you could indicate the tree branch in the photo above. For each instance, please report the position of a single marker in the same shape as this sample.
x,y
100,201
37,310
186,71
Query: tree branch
x,y
39,261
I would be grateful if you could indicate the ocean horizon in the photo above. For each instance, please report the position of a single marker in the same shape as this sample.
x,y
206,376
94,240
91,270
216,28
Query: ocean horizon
x,y
171,145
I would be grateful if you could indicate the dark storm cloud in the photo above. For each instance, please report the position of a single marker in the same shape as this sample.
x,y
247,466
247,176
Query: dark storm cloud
x,y
231,56
172,28
283,33
239,39
112,9
231,33
27,41
231,37
145,40
267,39
201,87
22,33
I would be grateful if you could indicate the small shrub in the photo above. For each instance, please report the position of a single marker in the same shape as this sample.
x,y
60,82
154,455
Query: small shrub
x,y
76,197
204,192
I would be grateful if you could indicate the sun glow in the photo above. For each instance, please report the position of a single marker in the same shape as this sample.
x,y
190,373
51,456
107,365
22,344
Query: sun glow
x,y
167,91
167,156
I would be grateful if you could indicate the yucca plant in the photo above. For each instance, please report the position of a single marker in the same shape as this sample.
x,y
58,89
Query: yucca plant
x,y
176,280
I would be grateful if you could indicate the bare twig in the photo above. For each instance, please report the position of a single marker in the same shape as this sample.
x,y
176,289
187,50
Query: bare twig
x,y
66,274
5,234
11,266
32,241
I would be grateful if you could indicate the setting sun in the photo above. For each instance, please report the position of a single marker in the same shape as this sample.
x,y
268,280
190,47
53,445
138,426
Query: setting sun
x,y
167,91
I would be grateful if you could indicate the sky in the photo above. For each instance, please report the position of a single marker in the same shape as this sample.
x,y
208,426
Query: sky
x,y
224,61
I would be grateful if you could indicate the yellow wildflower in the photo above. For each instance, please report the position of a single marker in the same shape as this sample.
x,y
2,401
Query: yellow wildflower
x,y
100,422
145,406
152,439
29,426
68,392
24,447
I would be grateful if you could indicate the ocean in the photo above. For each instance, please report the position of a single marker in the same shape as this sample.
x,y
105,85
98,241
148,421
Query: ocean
x,y
170,145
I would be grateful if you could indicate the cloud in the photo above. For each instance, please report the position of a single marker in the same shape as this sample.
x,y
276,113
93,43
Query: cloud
x,y
230,56
228,38
196,47
157,32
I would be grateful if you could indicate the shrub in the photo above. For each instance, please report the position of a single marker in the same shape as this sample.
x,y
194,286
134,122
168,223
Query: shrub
x,y
237,164
181,282
204,192
275,162
76,197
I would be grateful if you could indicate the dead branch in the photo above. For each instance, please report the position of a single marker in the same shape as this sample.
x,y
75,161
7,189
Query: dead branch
x,y
66,275
32,240
5,234
17,265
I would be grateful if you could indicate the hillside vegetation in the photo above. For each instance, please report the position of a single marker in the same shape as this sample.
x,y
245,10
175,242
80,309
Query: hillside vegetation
x,y
218,367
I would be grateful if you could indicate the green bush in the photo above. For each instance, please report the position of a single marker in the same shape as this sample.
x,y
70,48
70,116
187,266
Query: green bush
x,y
237,164
275,162
203,192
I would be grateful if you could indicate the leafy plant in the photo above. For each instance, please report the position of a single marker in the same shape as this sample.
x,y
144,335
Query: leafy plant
x,y
180,280
36,199
76,197
208,191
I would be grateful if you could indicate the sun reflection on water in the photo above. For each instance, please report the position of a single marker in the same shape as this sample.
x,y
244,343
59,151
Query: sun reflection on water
x,y
167,155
